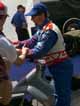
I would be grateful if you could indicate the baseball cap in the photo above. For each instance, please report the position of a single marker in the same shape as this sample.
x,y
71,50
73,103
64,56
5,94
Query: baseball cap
x,y
37,8
3,9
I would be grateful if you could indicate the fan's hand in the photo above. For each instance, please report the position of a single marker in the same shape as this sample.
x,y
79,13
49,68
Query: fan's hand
x,y
19,61
21,56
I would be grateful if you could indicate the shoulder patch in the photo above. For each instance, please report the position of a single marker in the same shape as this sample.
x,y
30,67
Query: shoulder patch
x,y
48,26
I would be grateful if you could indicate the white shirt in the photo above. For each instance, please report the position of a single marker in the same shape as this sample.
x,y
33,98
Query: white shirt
x,y
7,50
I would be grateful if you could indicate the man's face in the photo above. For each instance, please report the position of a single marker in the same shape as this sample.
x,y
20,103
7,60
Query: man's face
x,y
2,21
22,10
38,19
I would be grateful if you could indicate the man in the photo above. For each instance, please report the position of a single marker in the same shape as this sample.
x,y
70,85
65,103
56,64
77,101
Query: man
x,y
7,56
47,45
19,22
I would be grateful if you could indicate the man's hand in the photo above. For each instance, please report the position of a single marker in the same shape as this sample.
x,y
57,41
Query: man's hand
x,y
25,50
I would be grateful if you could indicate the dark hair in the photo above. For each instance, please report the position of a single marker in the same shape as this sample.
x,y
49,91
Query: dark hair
x,y
20,6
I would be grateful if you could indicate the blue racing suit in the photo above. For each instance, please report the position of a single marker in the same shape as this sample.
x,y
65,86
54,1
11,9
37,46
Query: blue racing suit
x,y
48,44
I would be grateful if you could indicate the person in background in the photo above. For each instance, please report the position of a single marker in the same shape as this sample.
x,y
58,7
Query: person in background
x,y
7,57
47,45
20,24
